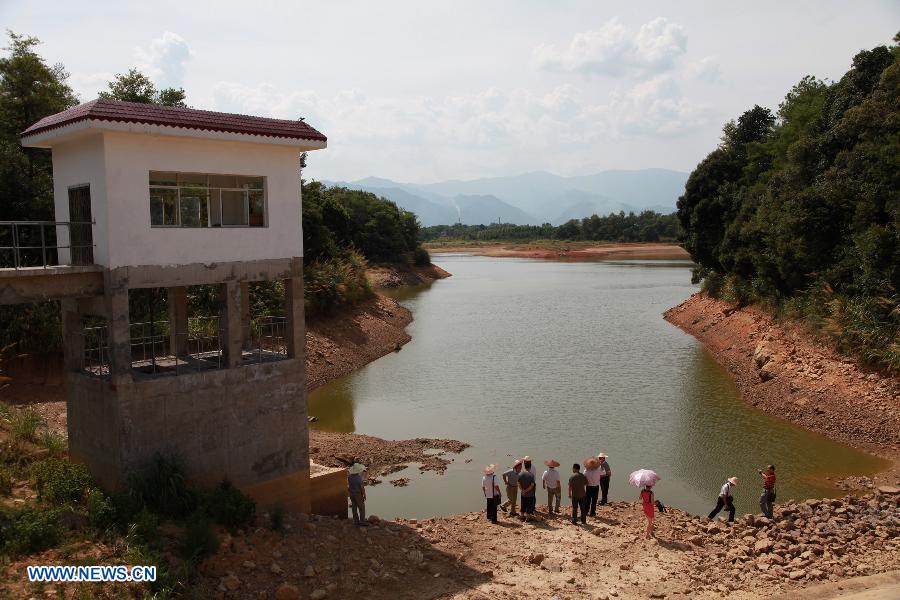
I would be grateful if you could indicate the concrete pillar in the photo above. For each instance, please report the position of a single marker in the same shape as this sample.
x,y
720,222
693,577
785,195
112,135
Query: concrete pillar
x,y
119,327
178,320
234,337
245,315
293,310
73,340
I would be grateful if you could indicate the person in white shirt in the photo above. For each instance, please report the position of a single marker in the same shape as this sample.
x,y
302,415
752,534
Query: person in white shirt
x,y
726,499
491,492
593,473
550,481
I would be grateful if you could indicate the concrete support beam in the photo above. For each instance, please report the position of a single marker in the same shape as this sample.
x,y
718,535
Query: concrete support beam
x,y
178,320
234,337
119,329
73,340
245,315
293,310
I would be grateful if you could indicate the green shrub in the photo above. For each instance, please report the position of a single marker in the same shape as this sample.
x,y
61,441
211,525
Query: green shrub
x,y
200,539
160,484
29,530
23,424
421,257
101,510
53,442
329,284
143,528
6,480
276,518
59,481
230,507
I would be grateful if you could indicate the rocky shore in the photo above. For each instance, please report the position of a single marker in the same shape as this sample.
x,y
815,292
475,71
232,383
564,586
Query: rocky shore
x,y
571,250
463,556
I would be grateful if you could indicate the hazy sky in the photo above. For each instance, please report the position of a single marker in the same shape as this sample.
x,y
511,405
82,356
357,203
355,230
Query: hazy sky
x,y
421,91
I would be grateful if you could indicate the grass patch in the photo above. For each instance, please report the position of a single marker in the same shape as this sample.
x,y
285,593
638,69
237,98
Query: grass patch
x,y
59,481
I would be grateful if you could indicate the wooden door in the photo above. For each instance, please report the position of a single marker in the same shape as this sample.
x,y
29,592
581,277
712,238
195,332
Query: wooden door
x,y
81,237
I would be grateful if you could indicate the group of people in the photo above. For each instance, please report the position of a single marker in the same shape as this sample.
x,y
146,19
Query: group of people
x,y
586,490
590,488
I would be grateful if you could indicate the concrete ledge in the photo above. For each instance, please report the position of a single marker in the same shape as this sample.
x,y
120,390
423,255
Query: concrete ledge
x,y
148,276
328,490
290,492
37,284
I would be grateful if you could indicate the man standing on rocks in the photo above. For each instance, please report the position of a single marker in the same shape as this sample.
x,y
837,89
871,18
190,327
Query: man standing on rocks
x,y
767,498
511,479
726,499
528,486
491,492
357,489
550,481
578,493
604,479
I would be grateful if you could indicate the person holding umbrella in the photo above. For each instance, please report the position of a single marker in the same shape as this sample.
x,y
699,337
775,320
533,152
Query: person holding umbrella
x,y
550,482
726,499
646,479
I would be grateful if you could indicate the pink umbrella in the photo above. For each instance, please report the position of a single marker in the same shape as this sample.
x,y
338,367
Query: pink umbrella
x,y
643,477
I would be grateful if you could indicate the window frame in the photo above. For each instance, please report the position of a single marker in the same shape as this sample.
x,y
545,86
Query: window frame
x,y
207,224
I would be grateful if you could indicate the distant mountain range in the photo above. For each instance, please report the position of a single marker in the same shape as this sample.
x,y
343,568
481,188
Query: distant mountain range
x,y
531,198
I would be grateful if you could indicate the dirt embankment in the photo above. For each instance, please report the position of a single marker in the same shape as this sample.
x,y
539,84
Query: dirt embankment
x,y
574,251
780,369
465,557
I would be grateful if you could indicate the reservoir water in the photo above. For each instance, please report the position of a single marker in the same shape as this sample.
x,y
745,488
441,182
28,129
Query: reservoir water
x,y
564,360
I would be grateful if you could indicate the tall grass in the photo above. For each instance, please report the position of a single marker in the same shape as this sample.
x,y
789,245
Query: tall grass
x,y
332,283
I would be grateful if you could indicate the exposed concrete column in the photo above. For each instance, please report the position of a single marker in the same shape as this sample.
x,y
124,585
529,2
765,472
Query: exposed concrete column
x,y
119,327
73,340
293,310
245,315
234,337
178,320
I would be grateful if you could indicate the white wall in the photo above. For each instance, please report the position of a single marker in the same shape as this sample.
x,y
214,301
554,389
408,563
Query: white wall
x,y
76,163
132,242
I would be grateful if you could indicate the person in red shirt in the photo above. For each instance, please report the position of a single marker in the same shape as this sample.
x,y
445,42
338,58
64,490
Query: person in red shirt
x,y
767,498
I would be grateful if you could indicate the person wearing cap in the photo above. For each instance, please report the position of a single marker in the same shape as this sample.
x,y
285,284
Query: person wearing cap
x,y
527,465
767,498
726,499
593,473
578,494
550,482
606,473
511,480
491,492
357,488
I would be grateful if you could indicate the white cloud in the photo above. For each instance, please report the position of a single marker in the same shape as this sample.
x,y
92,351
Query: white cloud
x,y
706,69
486,132
615,49
164,60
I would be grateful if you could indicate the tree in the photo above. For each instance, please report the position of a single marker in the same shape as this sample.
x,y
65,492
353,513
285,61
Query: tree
x,y
134,86
29,90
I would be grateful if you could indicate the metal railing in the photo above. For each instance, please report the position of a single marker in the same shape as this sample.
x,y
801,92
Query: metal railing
x,y
95,353
198,349
267,340
35,243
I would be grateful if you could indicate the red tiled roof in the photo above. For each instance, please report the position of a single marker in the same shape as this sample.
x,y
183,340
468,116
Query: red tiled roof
x,y
174,116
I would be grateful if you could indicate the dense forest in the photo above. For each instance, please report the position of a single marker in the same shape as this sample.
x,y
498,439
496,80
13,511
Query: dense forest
x,y
800,208
648,226
342,229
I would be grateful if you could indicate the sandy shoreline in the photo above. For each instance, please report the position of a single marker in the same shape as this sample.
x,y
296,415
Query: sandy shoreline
x,y
572,251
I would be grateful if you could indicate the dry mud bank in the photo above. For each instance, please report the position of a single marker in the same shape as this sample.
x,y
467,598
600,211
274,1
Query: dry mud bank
x,y
781,370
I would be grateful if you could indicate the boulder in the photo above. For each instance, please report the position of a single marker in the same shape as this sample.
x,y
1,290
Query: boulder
x,y
797,574
318,594
287,591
